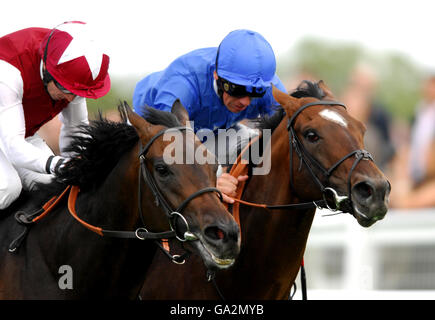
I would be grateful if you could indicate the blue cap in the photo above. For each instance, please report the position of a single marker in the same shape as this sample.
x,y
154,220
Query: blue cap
x,y
246,58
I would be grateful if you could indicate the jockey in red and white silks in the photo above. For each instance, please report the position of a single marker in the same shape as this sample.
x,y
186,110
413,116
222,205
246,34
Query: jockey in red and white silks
x,y
44,73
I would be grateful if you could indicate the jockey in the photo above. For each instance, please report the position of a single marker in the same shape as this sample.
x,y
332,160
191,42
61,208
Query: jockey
x,y
43,73
219,87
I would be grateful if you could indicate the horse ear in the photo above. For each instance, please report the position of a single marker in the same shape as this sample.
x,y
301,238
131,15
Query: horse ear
x,y
180,112
128,115
288,102
326,90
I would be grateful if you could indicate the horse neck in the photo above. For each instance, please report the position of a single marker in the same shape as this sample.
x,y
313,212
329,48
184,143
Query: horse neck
x,y
109,265
279,174
115,202
278,252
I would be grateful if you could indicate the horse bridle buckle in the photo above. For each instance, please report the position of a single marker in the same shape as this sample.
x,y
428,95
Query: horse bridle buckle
x,y
176,259
338,200
137,233
364,155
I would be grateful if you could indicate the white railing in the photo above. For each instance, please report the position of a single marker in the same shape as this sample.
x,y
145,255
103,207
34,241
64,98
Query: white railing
x,y
393,259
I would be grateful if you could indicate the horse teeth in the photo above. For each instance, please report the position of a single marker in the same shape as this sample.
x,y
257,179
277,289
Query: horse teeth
x,y
219,261
222,261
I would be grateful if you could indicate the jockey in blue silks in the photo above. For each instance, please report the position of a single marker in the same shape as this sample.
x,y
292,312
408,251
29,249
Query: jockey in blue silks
x,y
218,86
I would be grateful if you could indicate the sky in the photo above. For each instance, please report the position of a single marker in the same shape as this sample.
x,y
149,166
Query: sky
x,y
145,36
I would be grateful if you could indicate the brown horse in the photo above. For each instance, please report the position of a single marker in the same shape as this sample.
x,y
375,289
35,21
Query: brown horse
x,y
126,191
317,133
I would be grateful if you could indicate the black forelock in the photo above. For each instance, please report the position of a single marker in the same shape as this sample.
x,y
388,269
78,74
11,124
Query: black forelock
x,y
308,89
272,121
305,89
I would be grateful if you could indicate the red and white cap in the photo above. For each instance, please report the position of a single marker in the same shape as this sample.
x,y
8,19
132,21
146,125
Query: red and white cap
x,y
76,61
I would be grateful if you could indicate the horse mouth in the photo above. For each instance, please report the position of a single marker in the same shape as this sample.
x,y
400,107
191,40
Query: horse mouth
x,y
370,199
210,257
366,218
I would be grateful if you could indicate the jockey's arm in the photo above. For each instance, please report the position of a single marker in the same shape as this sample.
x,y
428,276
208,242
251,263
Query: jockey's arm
x,y
74,115
12,131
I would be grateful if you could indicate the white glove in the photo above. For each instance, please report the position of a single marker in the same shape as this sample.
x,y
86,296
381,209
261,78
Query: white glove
x,y
54,163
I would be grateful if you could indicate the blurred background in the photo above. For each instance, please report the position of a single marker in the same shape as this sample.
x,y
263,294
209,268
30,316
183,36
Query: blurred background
x,y
376,56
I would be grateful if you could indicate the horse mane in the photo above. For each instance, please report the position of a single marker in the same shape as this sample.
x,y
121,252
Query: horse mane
x,y
305,89
97,148
308,89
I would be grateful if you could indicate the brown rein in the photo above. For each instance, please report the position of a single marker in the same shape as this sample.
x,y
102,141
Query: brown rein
x,y
54,201
140,233
242,168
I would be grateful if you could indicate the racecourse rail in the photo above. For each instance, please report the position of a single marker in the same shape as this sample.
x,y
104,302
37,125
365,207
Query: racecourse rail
x,y
393,259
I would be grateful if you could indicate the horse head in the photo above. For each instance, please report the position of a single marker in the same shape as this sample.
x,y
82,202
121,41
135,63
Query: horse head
x,y
184,187
329,142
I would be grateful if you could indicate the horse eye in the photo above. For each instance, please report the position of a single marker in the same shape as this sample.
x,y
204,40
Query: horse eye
x,y
162,170
311,136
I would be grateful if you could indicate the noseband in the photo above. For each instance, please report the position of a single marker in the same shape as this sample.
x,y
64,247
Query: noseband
x,y
343,203
171,214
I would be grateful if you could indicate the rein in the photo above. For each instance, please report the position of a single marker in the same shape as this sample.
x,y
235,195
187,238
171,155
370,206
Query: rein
x,y
140,233
306,158
241,168
339,202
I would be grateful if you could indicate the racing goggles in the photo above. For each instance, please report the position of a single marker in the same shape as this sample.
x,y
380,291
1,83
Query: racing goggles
x,y
61,88
48,77
239,91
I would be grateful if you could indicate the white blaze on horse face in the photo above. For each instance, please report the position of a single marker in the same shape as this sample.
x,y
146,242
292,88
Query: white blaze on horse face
x,y
333,116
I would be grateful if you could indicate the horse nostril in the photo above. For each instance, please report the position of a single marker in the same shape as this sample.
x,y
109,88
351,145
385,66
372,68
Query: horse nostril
x,y
214,233
364,190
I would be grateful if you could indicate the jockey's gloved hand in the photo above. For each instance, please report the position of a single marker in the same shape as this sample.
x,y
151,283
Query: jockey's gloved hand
x,y
54,164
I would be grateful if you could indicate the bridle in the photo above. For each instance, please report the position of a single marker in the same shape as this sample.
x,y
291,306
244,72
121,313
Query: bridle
x,y
339,203
171,214
140,233
330,198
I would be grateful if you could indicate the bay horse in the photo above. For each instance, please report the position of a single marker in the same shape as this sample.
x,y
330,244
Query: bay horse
x,y
125,197
310,133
